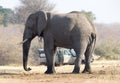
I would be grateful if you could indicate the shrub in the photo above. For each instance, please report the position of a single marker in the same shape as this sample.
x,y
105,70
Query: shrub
x,y
108,49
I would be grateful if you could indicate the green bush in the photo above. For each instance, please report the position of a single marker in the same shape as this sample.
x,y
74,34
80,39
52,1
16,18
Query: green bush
x,y
108,49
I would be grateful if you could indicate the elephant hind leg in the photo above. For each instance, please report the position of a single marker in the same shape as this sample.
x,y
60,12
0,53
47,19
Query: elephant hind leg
x,y
80,49
88,56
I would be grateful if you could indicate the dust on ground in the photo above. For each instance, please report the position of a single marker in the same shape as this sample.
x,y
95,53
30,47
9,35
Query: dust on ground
x,y
103,72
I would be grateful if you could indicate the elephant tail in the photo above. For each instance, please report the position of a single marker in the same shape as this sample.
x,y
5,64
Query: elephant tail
x,y
93,35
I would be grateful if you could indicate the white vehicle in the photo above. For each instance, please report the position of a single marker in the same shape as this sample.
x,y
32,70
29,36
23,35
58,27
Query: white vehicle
x,y
42,56
63,56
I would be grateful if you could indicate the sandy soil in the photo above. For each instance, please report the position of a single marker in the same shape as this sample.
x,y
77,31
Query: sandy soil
x,y
103,72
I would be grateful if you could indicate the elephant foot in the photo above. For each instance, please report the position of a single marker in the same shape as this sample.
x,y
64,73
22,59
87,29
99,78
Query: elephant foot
x,y
76,70
87,71
50,71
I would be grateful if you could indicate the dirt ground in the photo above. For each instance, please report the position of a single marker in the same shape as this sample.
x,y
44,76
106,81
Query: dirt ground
x,y
103,72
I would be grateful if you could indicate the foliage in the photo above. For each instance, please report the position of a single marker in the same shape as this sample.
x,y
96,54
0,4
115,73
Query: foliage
x,y
6,16
90,15
108,49
31,6
1,17
108,40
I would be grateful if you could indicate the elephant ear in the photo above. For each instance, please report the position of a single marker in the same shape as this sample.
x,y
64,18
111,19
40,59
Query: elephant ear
x,y
42,21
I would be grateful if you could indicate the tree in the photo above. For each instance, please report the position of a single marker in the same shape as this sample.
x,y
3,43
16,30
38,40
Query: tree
x,y
1,18
6,15
31,6
90,15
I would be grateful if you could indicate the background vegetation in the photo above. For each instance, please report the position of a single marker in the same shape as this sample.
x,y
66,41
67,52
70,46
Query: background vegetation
x,y
108,41
6,16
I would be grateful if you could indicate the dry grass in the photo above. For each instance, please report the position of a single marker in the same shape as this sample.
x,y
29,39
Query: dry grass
x,y
108,41
103,72
10,49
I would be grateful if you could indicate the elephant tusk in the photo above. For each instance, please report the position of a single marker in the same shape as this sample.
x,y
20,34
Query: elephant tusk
x,y
23,41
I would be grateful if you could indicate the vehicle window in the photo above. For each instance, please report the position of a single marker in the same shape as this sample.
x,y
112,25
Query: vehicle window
x,y
41,52
73,53
66,52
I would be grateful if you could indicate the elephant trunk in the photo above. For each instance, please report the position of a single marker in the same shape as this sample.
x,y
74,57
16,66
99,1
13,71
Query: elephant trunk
x,y
26,47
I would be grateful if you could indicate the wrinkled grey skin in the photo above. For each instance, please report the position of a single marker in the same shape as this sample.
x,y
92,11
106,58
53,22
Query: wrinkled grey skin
x,y
71,30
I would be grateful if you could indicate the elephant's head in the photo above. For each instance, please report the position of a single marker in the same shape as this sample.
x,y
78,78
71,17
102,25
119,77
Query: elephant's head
x,y
35,25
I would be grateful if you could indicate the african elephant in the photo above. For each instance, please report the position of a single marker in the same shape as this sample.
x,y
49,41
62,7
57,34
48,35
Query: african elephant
x,y
71,30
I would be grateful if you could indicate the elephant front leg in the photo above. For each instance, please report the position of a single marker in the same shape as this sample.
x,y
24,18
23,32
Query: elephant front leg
x,y
50,70
50,57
